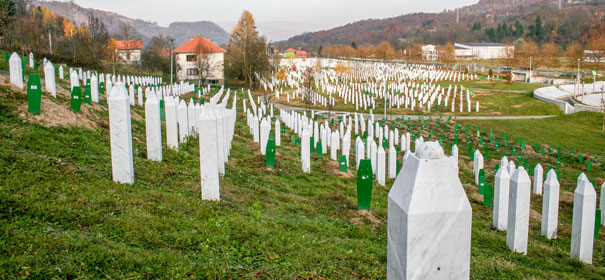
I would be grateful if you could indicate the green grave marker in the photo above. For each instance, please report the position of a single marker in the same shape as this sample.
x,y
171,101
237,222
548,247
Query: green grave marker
x,y
488,196
597,223
34,94
87,97
311,141
365,180
318,149
270,154
342,163
76,99
162,111
481,181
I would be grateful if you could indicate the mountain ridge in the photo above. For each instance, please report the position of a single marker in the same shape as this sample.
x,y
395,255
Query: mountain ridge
x,y
180,31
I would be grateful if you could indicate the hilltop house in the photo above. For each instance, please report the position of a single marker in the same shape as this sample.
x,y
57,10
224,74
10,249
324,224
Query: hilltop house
x,y
200,55
429,53
483,51
292,53
130,51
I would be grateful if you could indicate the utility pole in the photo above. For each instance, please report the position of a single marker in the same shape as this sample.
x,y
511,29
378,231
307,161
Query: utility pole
x,y
171,63
578,75
530,74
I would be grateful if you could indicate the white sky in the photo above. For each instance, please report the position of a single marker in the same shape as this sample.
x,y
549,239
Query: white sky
x,y
278,19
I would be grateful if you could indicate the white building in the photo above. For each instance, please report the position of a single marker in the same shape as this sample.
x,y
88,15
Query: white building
x,y
130,51
429,53
483,51
189,66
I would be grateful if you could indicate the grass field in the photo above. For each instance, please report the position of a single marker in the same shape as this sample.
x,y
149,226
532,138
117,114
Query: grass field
x,y
63,217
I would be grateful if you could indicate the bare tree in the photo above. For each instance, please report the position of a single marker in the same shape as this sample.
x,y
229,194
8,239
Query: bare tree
x,y
203,63
128,36
308,77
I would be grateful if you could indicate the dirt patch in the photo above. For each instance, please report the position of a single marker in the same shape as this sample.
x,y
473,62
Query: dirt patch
x,y
365,217
534,215
58,114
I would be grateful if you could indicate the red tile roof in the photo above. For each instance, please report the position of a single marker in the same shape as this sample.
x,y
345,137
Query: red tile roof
x,y
290,50
190,46
130,45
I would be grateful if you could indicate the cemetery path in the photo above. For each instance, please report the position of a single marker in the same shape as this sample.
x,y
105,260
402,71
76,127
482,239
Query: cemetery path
x,y
415,117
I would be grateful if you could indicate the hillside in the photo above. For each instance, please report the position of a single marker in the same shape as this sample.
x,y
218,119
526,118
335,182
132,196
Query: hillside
x,y
438,28
180,31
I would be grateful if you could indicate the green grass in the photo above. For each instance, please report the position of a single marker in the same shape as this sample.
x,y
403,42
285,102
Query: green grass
x,y
63,217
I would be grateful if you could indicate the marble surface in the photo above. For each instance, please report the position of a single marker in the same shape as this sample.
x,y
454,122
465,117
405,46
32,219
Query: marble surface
x,y
455,153
120,135
220,135
49,80
334,146
172,133
192,118
16,72
550,206
538,177
392,170
94,89
255,129
477,165
183,121
501,196
305,153
602,205
582,228
429,221
518,211
373,156
265,129
360,152
277,132
380,166
153,128
209,165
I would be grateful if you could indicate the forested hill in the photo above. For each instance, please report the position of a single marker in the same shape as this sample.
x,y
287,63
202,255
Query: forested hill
x,y
486,21
180,31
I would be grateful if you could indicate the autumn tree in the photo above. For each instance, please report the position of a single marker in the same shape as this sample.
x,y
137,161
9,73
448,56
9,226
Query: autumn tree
x,y
385,51
449,53
549,55
128,36
156,55
246,51
7,13
97,40
573,52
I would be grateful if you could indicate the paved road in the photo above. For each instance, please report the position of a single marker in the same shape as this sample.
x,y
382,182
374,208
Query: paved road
x,y
415,117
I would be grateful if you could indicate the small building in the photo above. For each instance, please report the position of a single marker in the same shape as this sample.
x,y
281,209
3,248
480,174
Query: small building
x,y
483,51
429,53
294,53
187,58
130,51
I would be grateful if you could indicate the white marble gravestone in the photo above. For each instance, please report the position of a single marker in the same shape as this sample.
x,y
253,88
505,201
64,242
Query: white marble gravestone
x,y
153,127
94,89
518,211
255,129
183,120
359,152
501,197
550,206
209,170
265,129
538,177
16,72
49,79
477,165
511,167
172,127
334,146
278,133
429,219
392,170
31,60
602,205
120,135
455,153
305,153
582,228
380,166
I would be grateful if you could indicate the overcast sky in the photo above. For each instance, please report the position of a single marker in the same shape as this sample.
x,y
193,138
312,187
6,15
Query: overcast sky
x,y
278,19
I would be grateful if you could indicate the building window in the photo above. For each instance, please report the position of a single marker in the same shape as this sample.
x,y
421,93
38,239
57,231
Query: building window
x,y
192,72
191,57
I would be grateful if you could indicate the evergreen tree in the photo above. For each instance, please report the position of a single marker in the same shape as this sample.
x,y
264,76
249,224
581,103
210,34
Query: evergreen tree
x,y
353,45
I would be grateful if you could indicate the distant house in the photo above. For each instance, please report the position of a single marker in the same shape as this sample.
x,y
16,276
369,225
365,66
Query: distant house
x,y
483,51
130,51
187,58
429,53
294,53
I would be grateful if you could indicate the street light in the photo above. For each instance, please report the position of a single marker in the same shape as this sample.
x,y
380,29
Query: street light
x,y
171,58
